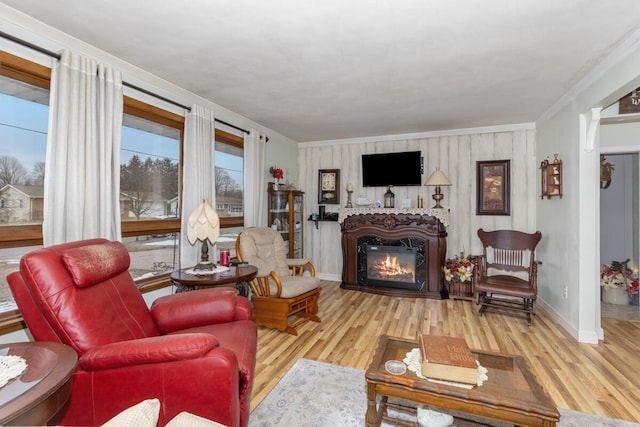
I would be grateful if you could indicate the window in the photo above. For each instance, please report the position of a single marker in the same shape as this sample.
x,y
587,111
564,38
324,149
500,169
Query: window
x,y
229,170
24,110
150,190
229,175
150,220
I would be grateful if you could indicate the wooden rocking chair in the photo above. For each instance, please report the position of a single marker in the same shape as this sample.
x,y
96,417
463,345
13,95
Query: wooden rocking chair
x,y
280,289
506,274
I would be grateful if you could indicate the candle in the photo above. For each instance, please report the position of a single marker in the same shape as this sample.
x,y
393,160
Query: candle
x,y
349,187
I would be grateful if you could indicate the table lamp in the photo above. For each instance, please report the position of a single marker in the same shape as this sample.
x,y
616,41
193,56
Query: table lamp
x,y
437,179
203,225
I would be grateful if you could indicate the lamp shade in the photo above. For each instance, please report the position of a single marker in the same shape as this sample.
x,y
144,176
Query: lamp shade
x,y
437,178
203,224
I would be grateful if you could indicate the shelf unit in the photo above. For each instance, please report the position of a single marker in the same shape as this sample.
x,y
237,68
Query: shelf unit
x,y
551,175
284,214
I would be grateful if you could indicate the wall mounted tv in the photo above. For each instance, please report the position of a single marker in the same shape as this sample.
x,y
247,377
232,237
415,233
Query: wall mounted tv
x,y
397,169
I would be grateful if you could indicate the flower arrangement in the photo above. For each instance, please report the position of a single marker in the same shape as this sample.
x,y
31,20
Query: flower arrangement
x,y
633,289
618,275
458,269
276,172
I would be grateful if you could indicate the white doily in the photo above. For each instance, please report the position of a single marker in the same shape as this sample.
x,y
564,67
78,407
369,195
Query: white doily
x,y
218,269
10,367
413,361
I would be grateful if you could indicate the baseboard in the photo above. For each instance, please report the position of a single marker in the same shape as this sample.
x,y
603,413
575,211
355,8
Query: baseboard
x,y
587,337
328,276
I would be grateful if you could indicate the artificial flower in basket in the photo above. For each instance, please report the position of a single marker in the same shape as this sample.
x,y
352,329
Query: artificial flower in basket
x,y
458,269
617,275
633,291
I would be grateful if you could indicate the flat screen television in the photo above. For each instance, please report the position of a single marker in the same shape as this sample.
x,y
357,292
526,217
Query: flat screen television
x,y
397,169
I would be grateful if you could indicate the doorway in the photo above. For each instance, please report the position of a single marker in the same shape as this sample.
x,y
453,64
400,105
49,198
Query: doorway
x,y
620,225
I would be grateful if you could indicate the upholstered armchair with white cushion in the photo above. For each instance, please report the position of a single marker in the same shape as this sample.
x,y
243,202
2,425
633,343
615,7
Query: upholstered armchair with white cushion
x,y
283,287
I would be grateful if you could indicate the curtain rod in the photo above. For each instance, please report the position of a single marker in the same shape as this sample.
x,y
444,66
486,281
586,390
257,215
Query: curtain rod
x,y
129,85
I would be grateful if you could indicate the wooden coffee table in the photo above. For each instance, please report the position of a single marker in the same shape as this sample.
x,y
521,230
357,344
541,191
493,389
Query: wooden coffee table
x,y
511,394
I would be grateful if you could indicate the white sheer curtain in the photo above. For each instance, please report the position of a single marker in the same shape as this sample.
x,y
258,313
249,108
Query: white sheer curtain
x,y
255,187
82,180
198,177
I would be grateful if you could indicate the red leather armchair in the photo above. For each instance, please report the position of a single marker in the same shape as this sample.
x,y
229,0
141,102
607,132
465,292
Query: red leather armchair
x,y
194,351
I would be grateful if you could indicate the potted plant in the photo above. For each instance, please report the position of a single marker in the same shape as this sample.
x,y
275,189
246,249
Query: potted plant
x,y
277,175
615,278
458,272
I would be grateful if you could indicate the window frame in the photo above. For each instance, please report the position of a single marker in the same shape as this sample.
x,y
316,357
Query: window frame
x,y
236,141
38,75
30,72
135,107
15,236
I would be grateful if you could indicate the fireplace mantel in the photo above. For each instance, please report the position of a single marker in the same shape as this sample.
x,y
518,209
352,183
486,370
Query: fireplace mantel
x,y
441,214
405,227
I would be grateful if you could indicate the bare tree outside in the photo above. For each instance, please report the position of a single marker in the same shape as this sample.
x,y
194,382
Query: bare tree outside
x,y
225,185
37,174
11,171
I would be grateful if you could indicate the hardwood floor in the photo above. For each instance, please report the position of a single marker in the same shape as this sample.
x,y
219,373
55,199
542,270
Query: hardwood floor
x,y
599,379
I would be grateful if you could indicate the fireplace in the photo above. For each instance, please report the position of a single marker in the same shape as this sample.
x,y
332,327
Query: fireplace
x,y
391,266
422,238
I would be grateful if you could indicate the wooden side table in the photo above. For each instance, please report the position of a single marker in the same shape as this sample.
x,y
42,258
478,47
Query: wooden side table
x,y
40,393
238,275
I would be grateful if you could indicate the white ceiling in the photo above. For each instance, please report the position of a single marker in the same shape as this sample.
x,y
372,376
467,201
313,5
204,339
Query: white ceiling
x,y
331,69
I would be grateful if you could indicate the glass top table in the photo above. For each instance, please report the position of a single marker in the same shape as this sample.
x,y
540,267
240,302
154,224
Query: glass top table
x,y
511,393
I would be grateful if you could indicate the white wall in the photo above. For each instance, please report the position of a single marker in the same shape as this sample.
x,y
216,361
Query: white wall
x,y
572,223
455,152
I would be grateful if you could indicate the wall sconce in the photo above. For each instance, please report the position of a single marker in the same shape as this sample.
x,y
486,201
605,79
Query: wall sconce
x,y
437,179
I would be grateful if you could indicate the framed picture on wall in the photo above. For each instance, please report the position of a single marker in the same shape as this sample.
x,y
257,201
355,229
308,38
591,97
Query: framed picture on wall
x,y
493,195
329,186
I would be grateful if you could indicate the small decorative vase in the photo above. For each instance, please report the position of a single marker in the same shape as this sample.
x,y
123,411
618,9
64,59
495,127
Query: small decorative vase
x,y
275,185
615,296
633,299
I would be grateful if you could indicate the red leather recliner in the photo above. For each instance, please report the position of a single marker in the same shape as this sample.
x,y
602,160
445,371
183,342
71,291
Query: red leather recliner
x,y
194,351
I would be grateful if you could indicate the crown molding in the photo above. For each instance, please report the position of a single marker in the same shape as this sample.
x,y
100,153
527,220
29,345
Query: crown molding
x,y
422,135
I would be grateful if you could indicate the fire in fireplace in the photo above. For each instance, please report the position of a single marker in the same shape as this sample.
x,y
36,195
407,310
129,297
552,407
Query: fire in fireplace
x,y
391,266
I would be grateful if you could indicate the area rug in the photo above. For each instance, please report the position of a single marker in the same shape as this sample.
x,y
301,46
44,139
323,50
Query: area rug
x,y
317,394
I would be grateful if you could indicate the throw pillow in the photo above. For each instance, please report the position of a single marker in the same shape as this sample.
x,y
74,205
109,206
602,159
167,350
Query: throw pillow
x,y
186,419
143,414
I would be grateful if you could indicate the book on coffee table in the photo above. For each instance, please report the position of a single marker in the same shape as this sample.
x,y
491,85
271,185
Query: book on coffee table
x,y
448,359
